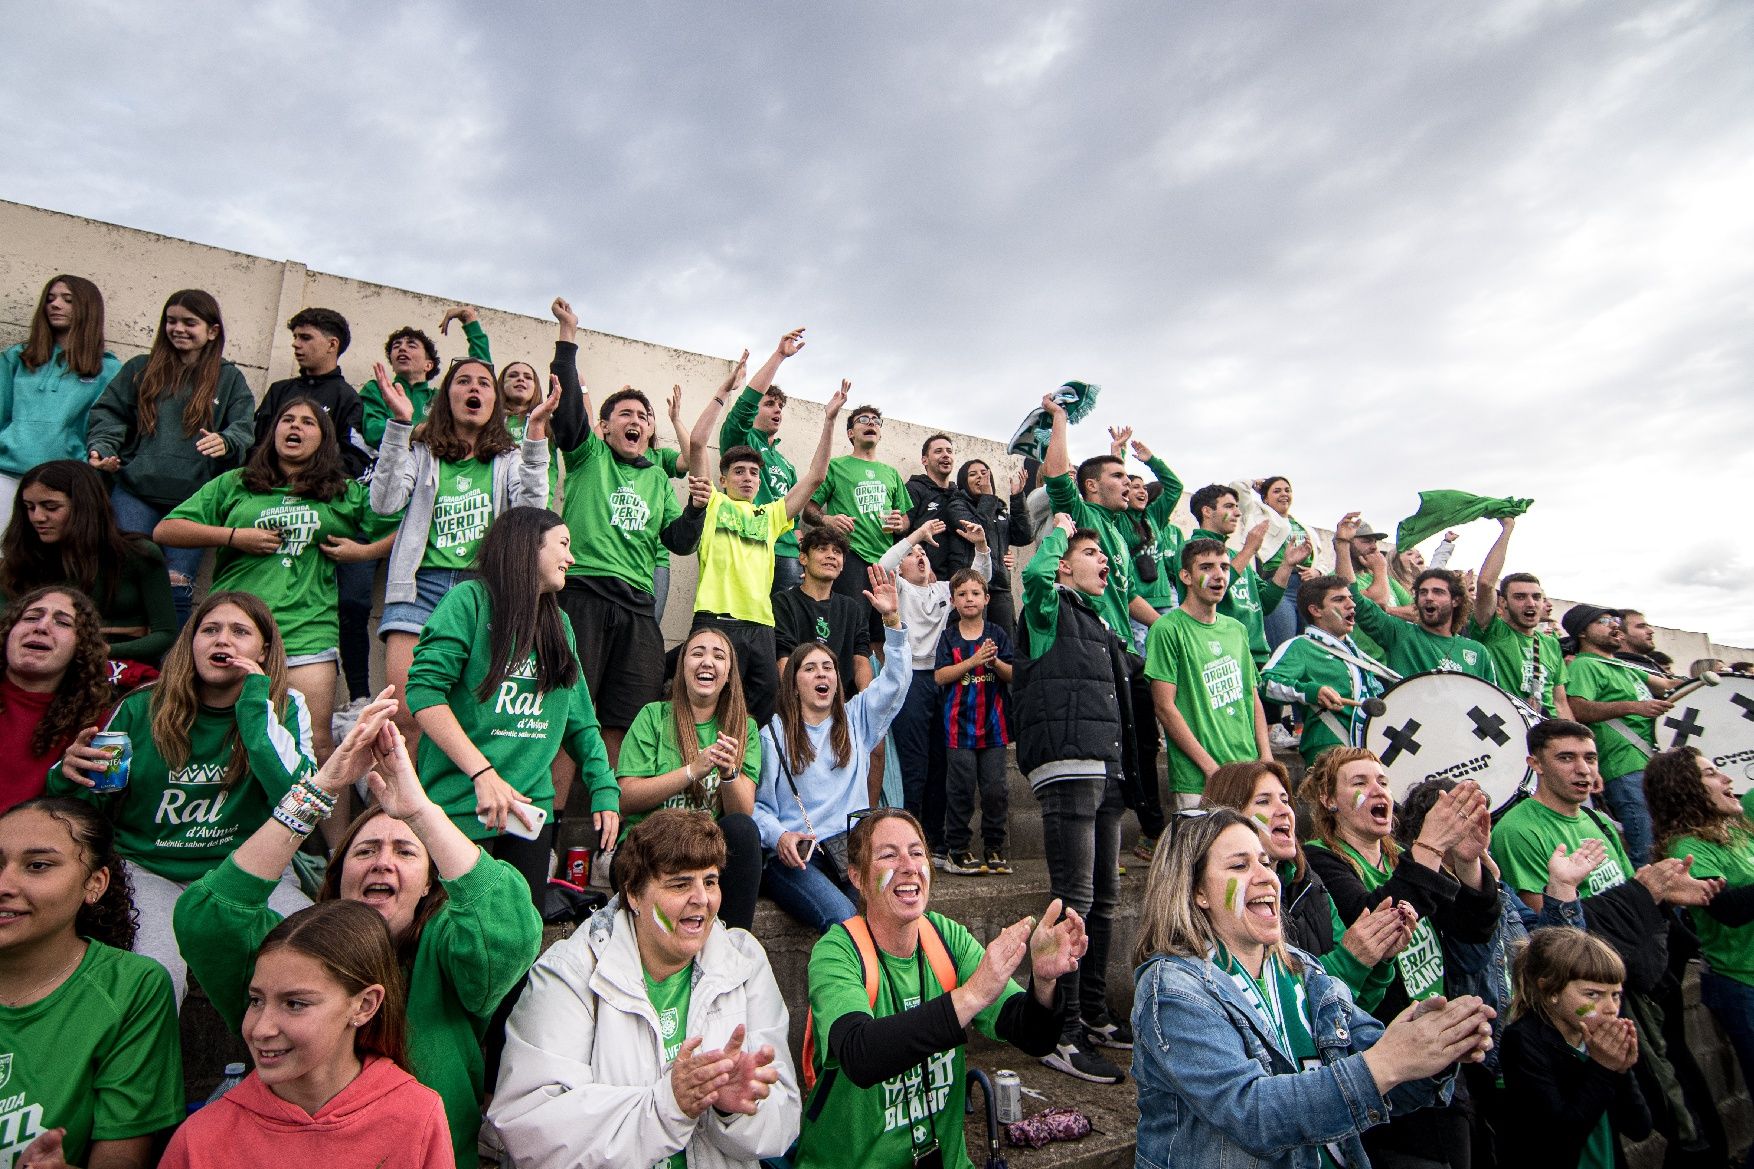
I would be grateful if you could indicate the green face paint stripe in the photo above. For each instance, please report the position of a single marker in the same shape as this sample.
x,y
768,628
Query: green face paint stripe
x,y
664,923
1358,798
1266,820
1230,896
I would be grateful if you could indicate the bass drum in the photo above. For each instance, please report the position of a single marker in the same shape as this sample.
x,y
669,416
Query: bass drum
x,y
1453,726
1719,721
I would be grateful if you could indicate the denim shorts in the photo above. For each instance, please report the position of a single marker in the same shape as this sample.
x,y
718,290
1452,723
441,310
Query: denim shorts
x,y
316,659
430,586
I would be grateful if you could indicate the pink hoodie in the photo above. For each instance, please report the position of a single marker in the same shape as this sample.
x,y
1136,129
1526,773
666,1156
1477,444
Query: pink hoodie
x,y
384,1119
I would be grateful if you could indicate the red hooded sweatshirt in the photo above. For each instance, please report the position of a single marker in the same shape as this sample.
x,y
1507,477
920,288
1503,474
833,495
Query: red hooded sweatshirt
x,y
384,1119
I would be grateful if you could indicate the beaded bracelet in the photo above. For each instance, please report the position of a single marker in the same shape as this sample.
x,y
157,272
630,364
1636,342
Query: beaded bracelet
x,y
303,807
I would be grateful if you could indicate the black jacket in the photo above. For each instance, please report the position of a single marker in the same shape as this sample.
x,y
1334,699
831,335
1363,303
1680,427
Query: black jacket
x,y
1068,703
932,502
338,399
1007,525
1309,913
1553,1100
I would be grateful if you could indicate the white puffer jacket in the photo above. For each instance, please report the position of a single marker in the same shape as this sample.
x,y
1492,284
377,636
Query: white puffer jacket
x,y
583,1082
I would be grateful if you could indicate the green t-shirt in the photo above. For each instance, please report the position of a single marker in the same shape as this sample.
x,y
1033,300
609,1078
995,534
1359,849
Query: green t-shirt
x,y
874,1128
1602,679
461,513
778,476
1110,528
669,998
1527,835
1409,648
181,822
1421,963
296,582
1728,948
1528,665
1397,593
736,553
1214,679
1598,1147
650,749
866,490
1247,600
616,513
520,729
1298,534
98,1056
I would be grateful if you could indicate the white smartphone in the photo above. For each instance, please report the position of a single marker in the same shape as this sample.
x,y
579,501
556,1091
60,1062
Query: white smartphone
x,y
515,826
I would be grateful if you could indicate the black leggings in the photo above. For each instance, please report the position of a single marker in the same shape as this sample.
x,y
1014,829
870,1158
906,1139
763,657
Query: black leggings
x,y
530,857
740,879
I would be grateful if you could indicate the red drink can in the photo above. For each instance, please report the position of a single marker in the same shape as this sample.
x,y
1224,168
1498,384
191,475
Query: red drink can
x,y
578,866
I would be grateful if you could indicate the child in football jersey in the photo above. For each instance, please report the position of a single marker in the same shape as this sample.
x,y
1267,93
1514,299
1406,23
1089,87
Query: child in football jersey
x,y
974,677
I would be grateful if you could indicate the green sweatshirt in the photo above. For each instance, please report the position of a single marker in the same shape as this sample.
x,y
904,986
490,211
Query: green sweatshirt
x,y
371,395
520,730
471,954
181,823
1110,528
1248,599
135,594
1163,542
778,476
164,468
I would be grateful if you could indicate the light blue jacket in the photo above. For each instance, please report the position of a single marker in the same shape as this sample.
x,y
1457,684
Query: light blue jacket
x,y
43,410
1216,1092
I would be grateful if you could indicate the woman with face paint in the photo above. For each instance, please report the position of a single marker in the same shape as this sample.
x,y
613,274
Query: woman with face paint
x,y
889,1091
1443,875
462,923
1361,956
1246,1052
655,1034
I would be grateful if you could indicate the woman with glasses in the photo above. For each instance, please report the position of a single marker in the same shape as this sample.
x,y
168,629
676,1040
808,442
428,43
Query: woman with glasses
x,y
815,767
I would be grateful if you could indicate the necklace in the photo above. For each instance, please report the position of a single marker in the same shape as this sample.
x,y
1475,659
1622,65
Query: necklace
x,y
23,999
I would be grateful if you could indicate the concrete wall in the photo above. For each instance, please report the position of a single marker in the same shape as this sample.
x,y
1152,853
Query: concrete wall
x,y
138,269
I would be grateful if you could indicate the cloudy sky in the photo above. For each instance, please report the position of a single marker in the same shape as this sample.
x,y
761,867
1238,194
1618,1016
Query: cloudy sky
x,y
1504,246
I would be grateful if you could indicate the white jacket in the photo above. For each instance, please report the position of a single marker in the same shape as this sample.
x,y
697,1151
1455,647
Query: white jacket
x,y
583,1081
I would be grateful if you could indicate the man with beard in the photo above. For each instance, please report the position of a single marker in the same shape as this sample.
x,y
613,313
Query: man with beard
x,y
1506,615
1434,643
1639,646
935,496
1323,672
1614,699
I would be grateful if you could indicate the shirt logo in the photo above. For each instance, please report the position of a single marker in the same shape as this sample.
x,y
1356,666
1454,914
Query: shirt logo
x,y
668,1023
1470,656
628,511
462,482
1216,647
823,632
870,497
5,1068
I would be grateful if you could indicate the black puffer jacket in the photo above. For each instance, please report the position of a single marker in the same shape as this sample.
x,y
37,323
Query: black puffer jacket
x,y
1007,525
1068,702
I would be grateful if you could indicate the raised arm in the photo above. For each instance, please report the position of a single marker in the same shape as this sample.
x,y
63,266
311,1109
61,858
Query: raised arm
x,y
789,346
702,434
1486,588
812,478
572,417
1058,460
1343,533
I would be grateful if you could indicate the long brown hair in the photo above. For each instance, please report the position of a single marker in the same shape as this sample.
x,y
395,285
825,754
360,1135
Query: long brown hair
x,y
522,618
92,548
1674,787
322,478
1554,957
434,899
176,696
730,712
798,754
1319,792
84,348
165,371
1233,786
84,694
439,431
1170,921
352,942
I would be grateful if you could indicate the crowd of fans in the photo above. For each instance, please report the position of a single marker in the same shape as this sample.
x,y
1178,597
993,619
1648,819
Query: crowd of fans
x,y
208,784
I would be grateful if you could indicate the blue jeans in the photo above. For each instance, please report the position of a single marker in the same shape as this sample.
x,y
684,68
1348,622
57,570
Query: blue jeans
x,y
136,515
1282,623
1731,1003
918,733
1081,834
1625,797
809,894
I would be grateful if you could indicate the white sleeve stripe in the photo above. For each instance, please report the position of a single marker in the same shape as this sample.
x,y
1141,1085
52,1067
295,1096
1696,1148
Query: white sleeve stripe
x,y
294,752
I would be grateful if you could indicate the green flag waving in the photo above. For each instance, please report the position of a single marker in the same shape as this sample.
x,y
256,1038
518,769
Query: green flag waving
x,y
1451,509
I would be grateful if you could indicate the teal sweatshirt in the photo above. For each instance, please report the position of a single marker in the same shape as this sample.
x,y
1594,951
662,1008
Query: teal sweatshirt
x,y
519,729
470,955
181,823
43,410
164,468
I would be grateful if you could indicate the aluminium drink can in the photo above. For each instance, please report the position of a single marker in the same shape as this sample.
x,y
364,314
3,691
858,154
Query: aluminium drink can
x,y
120,749
1007,1097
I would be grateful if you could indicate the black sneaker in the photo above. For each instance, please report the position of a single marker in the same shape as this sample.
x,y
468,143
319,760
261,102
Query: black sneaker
x,y
1076,1060
1115,1034
996,862
963,863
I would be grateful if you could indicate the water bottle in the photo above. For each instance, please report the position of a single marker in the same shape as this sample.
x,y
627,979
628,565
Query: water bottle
x,y
234,1074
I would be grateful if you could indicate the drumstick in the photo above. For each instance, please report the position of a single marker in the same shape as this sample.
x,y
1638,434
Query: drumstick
x,y
1708,678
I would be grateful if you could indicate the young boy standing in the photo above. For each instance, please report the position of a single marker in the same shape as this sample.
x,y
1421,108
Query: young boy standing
x,y
974,677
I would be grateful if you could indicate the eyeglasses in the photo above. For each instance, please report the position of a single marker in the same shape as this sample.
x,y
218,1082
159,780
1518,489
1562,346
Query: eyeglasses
x,y
863,419
1607,617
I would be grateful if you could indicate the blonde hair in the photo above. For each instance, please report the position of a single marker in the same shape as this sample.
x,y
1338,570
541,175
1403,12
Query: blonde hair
x,y
1170,921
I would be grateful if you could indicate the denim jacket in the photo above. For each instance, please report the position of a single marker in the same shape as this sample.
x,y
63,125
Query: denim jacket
x,y
1215,1091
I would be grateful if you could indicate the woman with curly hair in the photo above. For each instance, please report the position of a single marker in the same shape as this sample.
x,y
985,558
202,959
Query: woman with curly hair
x,y
49,380
1695,813
94,1068
54,679
218,740
62,532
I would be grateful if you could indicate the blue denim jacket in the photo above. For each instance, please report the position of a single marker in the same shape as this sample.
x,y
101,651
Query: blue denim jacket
x,y
1215,1092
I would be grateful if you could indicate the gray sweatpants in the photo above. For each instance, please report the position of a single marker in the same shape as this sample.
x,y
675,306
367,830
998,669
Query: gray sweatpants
x,y
155,898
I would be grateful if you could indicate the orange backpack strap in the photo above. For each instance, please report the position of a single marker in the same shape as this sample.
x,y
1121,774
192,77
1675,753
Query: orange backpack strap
x,y
943,966
859,930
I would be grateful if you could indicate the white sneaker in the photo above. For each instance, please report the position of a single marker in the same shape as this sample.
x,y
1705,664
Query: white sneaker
x,y
346,717
1281,738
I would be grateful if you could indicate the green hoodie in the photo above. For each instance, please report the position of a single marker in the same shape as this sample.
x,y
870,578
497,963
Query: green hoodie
x,y
371,395
164,468
180,823
471,954
520,729
778,476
